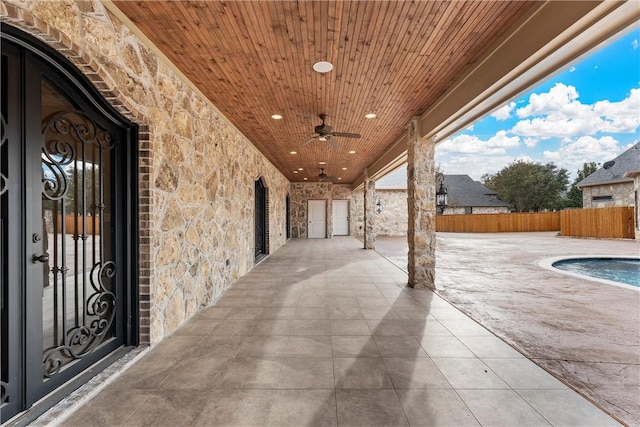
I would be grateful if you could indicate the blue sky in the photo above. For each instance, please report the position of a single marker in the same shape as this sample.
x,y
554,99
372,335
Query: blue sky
x,y
588,112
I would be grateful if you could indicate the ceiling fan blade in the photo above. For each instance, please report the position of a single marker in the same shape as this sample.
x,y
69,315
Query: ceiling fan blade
x,y
333,143
307,141
347,135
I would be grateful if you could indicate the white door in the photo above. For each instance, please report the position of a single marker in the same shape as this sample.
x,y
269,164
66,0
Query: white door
x,y
340,217
317,219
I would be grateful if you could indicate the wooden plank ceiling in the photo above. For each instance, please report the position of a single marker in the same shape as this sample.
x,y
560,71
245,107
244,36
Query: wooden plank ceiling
x,y
253,59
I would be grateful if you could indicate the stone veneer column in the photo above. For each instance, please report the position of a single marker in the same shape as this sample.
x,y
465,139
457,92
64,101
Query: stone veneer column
x,y
370,231
421,232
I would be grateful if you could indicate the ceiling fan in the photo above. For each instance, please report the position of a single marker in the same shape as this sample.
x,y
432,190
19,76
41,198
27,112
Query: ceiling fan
x,y
325,133
323,176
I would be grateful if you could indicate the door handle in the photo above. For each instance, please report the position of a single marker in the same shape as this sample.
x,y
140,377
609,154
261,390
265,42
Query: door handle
x,y
40,258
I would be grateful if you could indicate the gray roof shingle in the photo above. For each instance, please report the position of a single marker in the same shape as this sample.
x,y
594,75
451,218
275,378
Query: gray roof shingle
x,y
464,191
625,162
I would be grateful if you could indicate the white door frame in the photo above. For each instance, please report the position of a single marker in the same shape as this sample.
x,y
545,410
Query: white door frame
x,y
341,222
317,219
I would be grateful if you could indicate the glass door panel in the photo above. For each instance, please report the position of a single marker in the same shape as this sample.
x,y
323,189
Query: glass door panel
x,y
78,298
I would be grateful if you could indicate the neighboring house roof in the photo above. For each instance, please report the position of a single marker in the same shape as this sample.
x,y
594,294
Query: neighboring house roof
x,y
625,162
462,190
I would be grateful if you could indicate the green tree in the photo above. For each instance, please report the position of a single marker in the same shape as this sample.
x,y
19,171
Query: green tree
x,y
529,186
574,196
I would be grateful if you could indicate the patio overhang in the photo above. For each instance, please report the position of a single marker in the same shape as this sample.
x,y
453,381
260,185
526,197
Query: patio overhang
x,y
446,63
554,36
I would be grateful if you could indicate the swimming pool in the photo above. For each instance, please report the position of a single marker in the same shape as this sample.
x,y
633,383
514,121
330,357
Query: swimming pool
x,y
620,271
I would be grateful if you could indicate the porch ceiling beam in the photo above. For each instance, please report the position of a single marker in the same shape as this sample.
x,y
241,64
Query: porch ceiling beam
x,y
554,35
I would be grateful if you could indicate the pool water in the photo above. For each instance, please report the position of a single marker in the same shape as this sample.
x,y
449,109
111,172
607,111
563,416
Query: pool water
x,y
621,270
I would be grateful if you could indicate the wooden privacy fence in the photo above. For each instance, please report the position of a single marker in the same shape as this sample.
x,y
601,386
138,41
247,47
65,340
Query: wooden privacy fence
x,y
497,223
605,223
612,223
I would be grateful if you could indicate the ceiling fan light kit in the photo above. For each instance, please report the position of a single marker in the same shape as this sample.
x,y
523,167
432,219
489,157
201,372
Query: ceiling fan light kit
x,y
325,133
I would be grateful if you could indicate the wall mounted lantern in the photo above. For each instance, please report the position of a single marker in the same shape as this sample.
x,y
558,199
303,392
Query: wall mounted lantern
x,y
441,194
378,206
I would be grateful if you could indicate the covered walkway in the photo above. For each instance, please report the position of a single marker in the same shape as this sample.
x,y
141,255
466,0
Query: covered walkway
x,y
326,333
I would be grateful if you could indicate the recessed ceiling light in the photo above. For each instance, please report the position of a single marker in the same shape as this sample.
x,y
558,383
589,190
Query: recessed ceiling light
x,y
339,178
344,169
352,152
300,169
295,171
276,116
322,163
293,152
322,67
305,178
370,116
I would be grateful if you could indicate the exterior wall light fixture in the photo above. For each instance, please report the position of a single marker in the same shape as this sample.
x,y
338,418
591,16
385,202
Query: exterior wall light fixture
x,y
441,194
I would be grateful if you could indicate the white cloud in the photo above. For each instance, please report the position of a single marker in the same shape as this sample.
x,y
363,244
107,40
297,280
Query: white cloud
x,y
634,44
619,117
559,114
501,140
552,156
472,144
531,142
470,155
474,165
524,158
572,69
504,112
561,100
573,154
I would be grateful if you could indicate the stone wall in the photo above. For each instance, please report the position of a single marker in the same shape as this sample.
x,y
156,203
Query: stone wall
x,y
392,220
302,192
197,171
370,214
393,216
356,224
622,194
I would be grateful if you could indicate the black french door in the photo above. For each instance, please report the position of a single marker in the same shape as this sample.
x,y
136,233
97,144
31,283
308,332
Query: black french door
x,y
260,219
288,215
66,237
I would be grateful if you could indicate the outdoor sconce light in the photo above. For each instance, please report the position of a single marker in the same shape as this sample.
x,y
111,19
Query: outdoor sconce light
x,y
441,194
378,206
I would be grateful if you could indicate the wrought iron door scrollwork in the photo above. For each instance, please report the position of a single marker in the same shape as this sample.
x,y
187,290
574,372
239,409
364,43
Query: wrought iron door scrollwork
x,y
4,397
72,142
3,139
63,130
83,339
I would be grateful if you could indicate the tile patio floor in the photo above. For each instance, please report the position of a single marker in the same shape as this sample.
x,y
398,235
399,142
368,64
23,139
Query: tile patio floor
x,y
326,333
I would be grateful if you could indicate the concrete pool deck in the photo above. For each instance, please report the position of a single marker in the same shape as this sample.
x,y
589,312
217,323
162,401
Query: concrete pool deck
x,y
584,332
